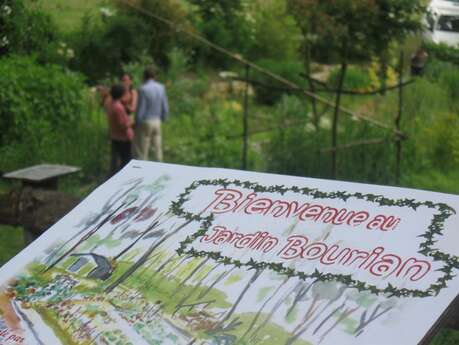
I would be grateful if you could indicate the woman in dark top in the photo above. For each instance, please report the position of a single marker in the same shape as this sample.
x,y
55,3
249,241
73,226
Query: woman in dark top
x,y
130,102
120,126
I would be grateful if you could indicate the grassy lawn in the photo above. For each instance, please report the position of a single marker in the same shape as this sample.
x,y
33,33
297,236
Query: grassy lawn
x,y
446,337
11,242
68,13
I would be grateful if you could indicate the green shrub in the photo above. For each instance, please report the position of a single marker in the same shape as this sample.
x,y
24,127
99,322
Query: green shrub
x,y
443,52
46,116
269,91
24,30
356,78
225,23
207,136
102,48
296,147
158,38
275,33
423,101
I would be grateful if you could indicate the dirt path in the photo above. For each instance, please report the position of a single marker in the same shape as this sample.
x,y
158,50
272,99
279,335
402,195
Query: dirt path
x,y
10,317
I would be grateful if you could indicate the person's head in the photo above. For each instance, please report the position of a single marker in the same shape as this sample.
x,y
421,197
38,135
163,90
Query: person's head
x,y
126,80
117,92
150,73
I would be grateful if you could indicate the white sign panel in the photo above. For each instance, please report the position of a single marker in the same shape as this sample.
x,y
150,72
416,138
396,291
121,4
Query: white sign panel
x,y
167,254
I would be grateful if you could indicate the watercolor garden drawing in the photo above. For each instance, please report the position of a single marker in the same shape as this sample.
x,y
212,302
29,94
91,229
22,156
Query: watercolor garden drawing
x,y
225,261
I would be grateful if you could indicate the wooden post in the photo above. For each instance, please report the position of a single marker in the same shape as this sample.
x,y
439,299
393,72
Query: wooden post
x,y
398,142
335,118
312,87
245,123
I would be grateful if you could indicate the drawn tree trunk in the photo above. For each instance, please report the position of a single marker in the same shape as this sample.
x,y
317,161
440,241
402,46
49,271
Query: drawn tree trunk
x,y
123,223
164,264
174,268
328,305
148,231
320,291
246,288
298,330
222,276
102,218
195,288
364,321
274,309
190,275
84,238
302,292
145,257
345,314
260,310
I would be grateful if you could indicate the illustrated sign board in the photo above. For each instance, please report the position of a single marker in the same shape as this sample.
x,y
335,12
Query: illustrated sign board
x,y
168,254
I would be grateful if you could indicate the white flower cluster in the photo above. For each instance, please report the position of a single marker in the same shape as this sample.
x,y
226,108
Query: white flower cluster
x,y
4,41
6,10
64,51
106,12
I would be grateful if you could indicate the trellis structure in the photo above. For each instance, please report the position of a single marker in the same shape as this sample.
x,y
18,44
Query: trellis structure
x,y
311,94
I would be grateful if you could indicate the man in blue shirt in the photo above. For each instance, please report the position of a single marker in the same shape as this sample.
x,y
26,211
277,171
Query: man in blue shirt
x,y
152,109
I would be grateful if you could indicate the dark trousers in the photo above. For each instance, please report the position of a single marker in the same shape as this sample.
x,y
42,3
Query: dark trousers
x,y
121,154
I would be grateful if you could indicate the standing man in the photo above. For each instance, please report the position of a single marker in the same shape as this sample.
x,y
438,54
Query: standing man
x,y
152,109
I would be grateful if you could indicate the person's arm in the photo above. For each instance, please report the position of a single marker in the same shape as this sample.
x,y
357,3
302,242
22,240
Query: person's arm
x,y
141,107
132,106
164,106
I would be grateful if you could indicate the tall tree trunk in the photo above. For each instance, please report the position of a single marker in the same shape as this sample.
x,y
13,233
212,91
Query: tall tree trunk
x,y
339,91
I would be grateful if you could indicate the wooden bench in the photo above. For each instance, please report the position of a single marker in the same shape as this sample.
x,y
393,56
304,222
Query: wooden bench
x,y
42,176
38,204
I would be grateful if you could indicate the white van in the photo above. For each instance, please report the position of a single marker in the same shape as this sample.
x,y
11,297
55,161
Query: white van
x,y
442,21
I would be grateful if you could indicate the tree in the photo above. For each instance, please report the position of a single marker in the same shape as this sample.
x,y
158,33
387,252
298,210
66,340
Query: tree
x,y
352,31
24,30
223,22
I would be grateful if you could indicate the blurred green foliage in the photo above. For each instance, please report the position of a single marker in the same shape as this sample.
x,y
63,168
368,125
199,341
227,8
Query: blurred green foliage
x,y
46,116
11,242
24,29
354,30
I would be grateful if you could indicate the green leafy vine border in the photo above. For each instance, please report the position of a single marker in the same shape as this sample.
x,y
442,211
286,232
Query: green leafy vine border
x,y
426,248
